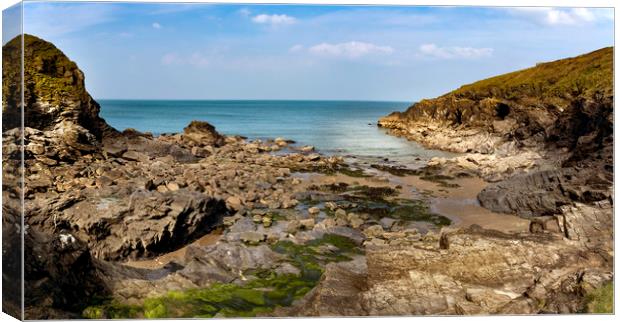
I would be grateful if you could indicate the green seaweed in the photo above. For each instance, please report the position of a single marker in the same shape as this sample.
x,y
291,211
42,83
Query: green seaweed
x,y
265,292
417,211
403,209
332,187
257,296
356,173
308,257
374,193
440,179
395,171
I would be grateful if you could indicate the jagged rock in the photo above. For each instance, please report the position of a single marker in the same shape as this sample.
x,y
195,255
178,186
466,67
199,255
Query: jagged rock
x,y
153,223
542,192
476,271
202,133
58,95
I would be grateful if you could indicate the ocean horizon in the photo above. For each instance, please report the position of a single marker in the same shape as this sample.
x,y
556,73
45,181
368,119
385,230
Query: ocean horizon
x,y
345,127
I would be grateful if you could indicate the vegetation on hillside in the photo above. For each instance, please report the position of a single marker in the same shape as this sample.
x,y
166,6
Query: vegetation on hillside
x,y
570,77
533,97
601,300
48,73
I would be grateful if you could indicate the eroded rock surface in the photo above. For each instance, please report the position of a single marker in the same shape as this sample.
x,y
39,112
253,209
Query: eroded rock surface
x,y
467,271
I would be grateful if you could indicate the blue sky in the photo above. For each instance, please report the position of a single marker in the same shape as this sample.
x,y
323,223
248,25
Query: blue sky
x,y
202,51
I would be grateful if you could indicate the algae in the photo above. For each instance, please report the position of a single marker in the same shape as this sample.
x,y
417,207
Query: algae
x,y
263,293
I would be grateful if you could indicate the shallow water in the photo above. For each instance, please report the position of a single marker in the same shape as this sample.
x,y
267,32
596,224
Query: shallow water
x,y
333,127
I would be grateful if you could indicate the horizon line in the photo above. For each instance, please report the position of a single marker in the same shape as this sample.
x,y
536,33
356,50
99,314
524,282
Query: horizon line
x,y
254,99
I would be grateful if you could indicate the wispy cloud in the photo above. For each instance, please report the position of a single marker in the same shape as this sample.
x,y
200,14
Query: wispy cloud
x,y
351,49
375,18
562,16
173,8
170,59
156,25
245,12
296,48
274,19
434,51
53,20
196,59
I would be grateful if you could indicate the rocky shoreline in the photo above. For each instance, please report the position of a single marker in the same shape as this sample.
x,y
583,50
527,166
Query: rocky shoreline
x,y
198,224
527,134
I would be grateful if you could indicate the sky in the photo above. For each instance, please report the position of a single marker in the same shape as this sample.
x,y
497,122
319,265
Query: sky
x,y
396,53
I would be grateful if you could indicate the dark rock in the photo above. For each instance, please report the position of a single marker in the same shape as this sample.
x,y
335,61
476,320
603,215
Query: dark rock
x,y
152,223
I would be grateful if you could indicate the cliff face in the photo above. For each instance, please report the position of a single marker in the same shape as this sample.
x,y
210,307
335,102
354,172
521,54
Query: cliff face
x,y
62,126
54,90
546,104
546,133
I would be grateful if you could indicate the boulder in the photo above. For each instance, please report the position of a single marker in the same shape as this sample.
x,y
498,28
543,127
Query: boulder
x,y
202,133
152,223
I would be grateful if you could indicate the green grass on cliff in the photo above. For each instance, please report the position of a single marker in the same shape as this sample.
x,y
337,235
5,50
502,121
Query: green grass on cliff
x,y
581,75
48,73
601,300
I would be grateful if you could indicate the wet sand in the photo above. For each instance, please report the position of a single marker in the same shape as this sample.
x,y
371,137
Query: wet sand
x,y
460,204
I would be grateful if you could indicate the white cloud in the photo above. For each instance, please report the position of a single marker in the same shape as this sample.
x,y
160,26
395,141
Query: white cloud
x,y
562,16
156,25
245,12
432,50
198,60
170,58
274,19
351,49
296,48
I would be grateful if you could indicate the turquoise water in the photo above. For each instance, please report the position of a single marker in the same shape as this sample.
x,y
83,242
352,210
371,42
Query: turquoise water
x,y
342,127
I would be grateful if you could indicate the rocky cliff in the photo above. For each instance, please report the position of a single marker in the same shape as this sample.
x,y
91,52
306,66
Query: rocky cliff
x,y
549,103
544,134
54,90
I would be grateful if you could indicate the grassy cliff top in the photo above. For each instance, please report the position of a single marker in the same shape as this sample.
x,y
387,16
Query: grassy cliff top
x,y
581,75
48,73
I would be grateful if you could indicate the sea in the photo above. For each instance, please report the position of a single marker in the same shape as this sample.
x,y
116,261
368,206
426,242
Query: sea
x,y
347,128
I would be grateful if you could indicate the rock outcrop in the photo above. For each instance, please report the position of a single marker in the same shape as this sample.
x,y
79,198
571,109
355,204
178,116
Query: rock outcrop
x,y
547,131
54,90
543,138
525,107
466,271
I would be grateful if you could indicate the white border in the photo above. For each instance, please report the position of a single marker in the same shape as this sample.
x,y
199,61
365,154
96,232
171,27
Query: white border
x,y
489,3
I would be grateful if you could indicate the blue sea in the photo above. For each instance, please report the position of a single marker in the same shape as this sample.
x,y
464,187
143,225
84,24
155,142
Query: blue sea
x,y
333,127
